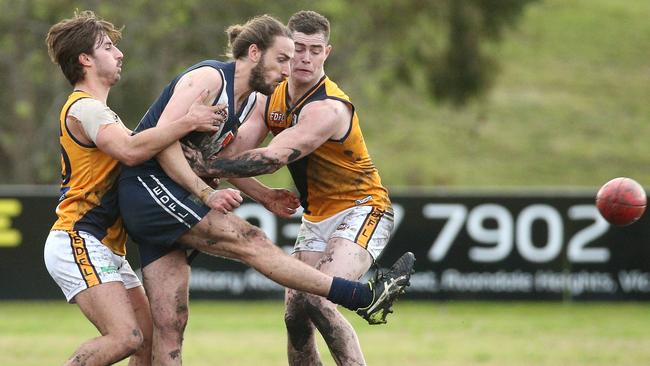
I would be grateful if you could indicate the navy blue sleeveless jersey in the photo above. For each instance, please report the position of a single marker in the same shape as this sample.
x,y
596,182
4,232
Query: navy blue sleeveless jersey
x,y
209,144
156,210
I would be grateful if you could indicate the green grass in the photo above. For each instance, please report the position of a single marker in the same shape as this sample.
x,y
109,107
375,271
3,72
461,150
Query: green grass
x,y
419,333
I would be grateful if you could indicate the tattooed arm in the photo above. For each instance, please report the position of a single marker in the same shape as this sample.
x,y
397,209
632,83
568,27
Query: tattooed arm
x,y
318,122
249,136
171,159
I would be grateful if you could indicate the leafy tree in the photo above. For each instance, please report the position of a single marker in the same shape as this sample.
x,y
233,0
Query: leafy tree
x,y
432,46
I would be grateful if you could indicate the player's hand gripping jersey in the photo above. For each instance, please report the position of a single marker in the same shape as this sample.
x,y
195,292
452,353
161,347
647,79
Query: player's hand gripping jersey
x,y
208,143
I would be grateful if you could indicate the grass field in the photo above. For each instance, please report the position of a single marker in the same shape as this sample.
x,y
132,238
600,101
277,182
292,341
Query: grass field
x,y
420,333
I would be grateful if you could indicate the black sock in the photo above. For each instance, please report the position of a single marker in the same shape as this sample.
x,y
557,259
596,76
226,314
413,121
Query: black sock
x,y
350,294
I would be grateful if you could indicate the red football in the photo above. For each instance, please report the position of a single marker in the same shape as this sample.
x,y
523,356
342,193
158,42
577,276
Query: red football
x,y
621,201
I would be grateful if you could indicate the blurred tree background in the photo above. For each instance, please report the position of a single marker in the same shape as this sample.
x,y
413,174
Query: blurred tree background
x,y
450,92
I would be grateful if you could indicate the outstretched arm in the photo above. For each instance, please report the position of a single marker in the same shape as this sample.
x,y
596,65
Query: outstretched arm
x,y
319,121
280,201
117,141
249,136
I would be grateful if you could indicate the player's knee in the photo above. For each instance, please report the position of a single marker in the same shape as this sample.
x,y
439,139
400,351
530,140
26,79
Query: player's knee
x,y
255,244
135,340
171,322
129,342
255,236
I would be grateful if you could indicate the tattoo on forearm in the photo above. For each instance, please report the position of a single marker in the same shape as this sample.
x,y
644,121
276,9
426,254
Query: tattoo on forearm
x,y
196,160
295,154
248,164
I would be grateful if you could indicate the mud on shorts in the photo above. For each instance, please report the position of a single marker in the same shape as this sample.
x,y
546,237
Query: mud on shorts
x,y
77,260
156,212
368,226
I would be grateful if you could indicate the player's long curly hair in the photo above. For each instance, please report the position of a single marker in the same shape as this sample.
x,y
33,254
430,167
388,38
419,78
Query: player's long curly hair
x,y
69,38
260,31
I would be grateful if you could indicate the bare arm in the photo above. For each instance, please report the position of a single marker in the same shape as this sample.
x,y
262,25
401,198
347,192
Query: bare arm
x,y
249,136
319,121
171,159
281,202
252,187
118,142
251,133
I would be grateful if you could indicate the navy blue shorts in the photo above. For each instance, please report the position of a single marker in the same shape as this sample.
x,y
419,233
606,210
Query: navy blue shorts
x,y
156,212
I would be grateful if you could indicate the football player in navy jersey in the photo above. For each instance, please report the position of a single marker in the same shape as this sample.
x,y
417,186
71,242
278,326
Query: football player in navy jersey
x,y
168,209
347,218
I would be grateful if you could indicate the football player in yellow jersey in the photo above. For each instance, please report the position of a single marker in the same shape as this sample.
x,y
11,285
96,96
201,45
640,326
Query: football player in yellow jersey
x,y
347,218
84,252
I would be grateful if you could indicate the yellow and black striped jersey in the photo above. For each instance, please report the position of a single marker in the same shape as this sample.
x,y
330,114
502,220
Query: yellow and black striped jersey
x,y
88,200
339,174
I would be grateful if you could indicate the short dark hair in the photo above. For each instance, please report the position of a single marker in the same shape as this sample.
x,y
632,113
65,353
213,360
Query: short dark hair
x,y
69,38
260,30
309,22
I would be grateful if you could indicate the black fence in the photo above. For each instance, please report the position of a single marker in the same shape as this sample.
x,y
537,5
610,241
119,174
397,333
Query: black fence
x,y
550,245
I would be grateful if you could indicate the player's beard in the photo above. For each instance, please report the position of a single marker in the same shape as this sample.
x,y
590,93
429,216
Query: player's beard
x,y
257,80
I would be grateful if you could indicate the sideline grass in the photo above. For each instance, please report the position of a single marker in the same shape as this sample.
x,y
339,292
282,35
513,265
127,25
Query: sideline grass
x,y
419,333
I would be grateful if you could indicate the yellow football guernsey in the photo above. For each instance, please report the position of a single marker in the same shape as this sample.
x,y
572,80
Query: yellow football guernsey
x,y
337,175
88,200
